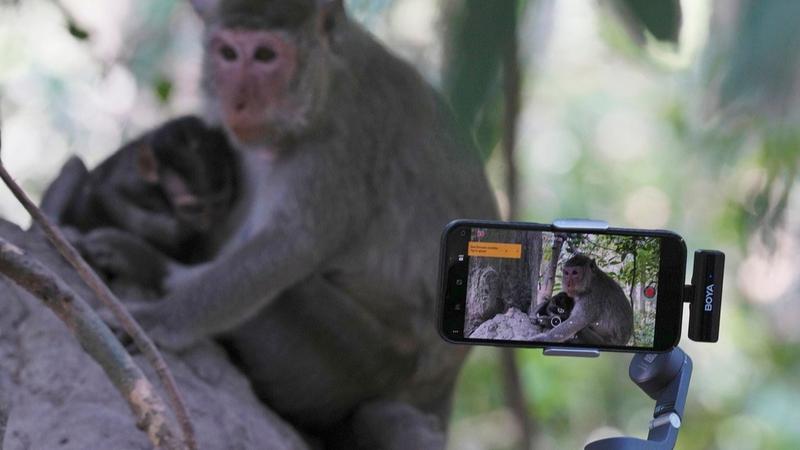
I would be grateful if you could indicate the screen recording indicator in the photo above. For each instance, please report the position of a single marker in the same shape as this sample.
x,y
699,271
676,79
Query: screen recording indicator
x,y
578,289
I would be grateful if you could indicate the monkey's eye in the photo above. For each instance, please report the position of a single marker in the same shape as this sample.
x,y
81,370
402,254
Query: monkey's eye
x,y
228,53
264,54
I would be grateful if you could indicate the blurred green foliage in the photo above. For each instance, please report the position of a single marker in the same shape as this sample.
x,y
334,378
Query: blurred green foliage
x,y
478,34
733,113
662,19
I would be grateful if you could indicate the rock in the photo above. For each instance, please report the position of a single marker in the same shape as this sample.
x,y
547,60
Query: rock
x,y
512,325
54,396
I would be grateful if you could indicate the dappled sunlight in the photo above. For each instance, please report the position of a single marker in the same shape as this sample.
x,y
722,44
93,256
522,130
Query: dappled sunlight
x,y
647,207
624,135
766,274
553,150
742,433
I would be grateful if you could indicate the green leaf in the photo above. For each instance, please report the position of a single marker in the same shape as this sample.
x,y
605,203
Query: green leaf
x,y
763,62
661,18
478,33
77,31
163,88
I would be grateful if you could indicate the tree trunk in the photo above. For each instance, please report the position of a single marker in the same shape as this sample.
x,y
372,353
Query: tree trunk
x,y
515,274
534,257
549,277
634,276
639,310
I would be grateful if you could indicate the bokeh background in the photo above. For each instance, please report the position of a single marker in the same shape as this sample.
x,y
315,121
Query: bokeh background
x,y
660,114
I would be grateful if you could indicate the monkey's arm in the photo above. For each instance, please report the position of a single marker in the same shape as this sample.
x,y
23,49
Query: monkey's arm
x,y
213,297
302,225
579,319
122,255
157,228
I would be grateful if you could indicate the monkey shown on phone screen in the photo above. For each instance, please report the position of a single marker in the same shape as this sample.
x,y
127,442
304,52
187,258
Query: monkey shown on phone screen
x,y
601,314
324,290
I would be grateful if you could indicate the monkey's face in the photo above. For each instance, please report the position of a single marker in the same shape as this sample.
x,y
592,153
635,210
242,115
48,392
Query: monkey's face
x,y
252,72
561,303
574,279
267,71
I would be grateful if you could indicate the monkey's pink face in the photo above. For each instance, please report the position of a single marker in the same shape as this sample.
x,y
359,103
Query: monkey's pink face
x,y
251,74
573,279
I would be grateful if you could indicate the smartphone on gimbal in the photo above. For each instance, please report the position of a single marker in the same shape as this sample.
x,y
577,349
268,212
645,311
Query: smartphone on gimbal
x,y
572,285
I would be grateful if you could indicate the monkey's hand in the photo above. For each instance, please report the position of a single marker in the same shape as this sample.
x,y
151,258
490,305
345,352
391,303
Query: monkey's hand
x,y
153,317
163,319
564,331
117,254
161,229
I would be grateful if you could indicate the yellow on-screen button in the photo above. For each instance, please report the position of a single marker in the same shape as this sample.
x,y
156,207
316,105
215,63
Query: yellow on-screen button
x,y
494,250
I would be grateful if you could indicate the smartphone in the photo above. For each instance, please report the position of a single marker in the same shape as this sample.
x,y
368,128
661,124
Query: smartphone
x,y
540,285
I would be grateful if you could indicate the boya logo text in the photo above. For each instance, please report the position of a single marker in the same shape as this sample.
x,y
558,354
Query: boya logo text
x,y
709,297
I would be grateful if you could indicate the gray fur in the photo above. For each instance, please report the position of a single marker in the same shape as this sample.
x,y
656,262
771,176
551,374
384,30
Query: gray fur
x,y
325,289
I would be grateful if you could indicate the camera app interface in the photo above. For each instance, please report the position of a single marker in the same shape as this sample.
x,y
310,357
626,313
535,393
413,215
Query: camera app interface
x,y
588,289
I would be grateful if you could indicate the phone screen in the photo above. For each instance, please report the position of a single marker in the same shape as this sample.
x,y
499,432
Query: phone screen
x,y
533,285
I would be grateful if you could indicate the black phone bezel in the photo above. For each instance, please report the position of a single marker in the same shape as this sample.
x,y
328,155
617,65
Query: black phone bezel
x,y
451,301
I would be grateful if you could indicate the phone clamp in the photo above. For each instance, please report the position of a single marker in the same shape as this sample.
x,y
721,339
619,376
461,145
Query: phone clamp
x,y
665,378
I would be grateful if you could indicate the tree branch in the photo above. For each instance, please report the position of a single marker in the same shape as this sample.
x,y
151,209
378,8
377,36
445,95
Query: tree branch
x,y
96,339
514,392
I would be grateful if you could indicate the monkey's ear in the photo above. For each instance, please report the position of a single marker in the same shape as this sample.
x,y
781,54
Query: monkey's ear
x,y
146,163
330,12
206,9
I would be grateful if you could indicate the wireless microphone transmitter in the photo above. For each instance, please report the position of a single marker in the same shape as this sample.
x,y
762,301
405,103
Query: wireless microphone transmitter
x,y
705,295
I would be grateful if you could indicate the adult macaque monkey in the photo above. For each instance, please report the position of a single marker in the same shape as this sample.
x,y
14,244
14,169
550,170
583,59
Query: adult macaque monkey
x,y
601,314
325,288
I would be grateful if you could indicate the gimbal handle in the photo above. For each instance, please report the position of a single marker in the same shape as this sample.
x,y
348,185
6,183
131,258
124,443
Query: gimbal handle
x,y
665,378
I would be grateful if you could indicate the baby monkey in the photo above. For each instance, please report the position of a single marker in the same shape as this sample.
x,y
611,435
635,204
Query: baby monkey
x,y
551,313
168,191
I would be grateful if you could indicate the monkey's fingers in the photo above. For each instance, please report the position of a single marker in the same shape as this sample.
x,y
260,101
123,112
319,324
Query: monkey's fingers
x,y
101,256
119,255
